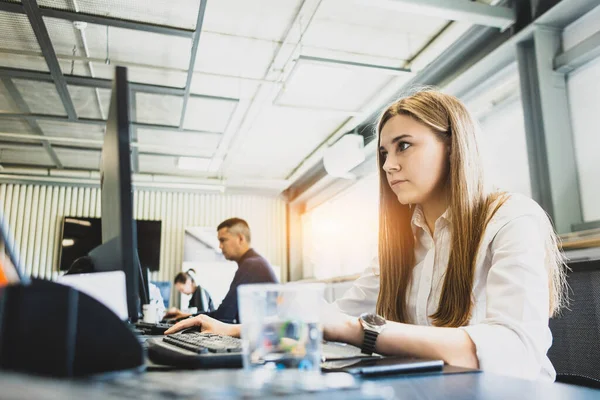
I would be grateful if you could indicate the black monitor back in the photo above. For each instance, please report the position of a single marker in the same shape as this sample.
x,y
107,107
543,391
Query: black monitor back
x,y
118,225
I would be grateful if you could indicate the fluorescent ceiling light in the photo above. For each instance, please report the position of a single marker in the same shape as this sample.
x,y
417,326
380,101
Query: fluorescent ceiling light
x,y
193,163
354,65
68,242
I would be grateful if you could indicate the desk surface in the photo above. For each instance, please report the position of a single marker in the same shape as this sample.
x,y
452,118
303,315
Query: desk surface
x,y
217,384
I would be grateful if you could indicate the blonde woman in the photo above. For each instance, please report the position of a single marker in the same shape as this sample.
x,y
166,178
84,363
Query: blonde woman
x,y
462,275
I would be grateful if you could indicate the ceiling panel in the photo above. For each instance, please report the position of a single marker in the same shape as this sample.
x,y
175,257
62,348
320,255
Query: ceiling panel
x,y
78,158
164,165
66,39
193,144
330,87
157,164
332,54
30,156
158,109
72,130
277,142
223,86
362,13
237,44
124,45
7,105
208,115
16,33
152,76
86,103
158,12
41,97
263,19
357,27
23,61
14,126
235,56
361,40
19,144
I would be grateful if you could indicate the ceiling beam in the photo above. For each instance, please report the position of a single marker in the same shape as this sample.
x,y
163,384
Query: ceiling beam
x,y
88,81
116,22
455,10
12,7
22,105
353,65
101,20
15,140
578,55
194,52
102,83
41,33
101,122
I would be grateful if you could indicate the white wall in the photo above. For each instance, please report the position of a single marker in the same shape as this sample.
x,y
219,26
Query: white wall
x,y
583,87
34,214
503,149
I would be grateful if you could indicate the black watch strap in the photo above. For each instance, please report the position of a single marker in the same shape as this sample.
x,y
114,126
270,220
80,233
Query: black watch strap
x,y
368,346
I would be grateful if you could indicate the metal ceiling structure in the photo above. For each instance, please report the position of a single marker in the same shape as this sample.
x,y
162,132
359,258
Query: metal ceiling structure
x,y
292,55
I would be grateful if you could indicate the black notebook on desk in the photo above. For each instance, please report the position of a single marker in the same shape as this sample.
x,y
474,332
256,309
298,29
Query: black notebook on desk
x,y
382,365
385,366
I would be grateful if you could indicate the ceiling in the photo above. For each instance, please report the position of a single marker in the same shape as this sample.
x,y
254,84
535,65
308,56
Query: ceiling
x,y
252,89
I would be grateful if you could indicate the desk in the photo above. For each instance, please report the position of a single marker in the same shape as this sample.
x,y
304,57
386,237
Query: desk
x,y
214,385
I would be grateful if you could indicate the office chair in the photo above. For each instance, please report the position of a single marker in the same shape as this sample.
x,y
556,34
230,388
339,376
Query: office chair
x,y
575,351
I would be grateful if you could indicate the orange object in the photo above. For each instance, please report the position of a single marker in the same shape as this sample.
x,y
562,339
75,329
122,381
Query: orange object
x,y
3,278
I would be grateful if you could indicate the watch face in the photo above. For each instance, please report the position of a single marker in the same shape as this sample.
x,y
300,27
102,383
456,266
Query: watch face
x,y
373,320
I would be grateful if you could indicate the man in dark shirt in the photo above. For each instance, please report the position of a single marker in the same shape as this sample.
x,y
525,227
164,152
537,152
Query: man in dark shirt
x,y
234,242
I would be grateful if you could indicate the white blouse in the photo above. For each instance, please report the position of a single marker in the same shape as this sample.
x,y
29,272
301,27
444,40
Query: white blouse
x,y
509,323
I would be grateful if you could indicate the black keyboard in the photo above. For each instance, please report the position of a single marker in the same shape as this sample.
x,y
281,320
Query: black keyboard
x,y
152,329
196,350
207,350
204,343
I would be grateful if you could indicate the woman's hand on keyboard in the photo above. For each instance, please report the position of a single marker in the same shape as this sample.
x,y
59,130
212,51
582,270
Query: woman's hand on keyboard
x,y
206,324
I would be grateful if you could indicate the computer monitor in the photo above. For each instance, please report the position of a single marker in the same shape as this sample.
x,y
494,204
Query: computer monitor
x,y
119,240
10,273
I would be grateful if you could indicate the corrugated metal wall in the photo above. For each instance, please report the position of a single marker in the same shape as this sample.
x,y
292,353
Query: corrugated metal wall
x,y
34,215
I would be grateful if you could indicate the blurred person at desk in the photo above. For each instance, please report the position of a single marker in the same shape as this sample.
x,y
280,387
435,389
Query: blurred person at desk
x,y
185,283
464,275
234,241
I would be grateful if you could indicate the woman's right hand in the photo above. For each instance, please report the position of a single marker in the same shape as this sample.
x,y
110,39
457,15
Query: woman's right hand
x,y
206,324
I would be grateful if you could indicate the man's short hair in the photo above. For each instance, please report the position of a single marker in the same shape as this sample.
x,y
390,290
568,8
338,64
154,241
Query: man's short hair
x,y
236,226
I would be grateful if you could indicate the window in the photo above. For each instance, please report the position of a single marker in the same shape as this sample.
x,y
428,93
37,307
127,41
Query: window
x,y
340,235
583,88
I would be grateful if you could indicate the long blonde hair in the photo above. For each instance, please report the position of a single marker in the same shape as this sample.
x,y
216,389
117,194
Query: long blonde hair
x,y
470,208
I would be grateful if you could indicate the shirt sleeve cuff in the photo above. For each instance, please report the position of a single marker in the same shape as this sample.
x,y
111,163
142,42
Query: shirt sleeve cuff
x,y
500,350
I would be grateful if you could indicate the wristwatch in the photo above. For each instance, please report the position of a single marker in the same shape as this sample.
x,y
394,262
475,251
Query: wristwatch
x,y
373,325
